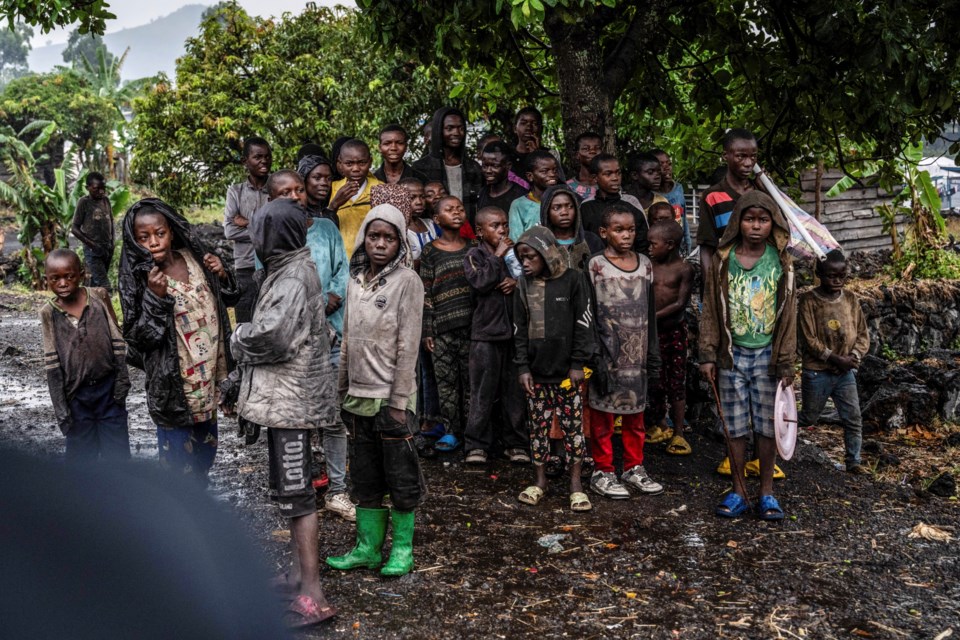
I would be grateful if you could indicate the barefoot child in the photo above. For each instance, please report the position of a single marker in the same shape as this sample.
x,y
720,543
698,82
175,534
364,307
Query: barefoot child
x,y
492,372
288,385
85,360
672,286
173,294
447,313
621,281
749,332
554,341
378,385
833,338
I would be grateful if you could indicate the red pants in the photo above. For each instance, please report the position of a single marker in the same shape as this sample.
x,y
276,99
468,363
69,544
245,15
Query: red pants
x,y
601,446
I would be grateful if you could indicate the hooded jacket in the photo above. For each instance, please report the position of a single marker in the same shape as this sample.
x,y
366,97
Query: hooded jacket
x,y
284,351
553,323
382,323
716,337
586,243
148,320
491,316
432,167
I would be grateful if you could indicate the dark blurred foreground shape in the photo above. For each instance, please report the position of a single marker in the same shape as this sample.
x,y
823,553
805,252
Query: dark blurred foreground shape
x,y
124,552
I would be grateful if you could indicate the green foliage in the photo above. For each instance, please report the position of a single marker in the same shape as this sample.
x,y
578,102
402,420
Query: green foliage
x,y
92,15
888,353
306,78
14,49
83,50
84,118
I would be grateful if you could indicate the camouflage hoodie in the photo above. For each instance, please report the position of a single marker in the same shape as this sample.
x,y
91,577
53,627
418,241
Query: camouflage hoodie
x,y
549,349
586,243
716,338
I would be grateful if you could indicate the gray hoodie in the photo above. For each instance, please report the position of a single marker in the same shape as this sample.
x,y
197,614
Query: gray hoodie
x,y
382,322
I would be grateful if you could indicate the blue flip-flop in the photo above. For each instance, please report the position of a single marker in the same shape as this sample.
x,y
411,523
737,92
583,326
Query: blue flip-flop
x,y
770,509
733,506
447,443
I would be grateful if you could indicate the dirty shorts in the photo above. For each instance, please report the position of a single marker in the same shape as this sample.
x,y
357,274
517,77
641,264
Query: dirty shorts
x,y
748,392
291,484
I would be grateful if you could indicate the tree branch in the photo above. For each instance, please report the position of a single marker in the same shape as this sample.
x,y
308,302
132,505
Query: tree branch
x,y
526,67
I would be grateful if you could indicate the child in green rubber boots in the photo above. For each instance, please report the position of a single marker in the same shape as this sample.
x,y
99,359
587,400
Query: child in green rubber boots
x,y
378,389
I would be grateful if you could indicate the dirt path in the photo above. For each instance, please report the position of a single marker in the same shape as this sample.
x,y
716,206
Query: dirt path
x,y
841,565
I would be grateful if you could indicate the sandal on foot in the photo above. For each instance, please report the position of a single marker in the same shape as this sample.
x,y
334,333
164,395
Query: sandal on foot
x,y
580,502
770,509
304,611
679,446
733,506
531,495
752,468
447,443
658,434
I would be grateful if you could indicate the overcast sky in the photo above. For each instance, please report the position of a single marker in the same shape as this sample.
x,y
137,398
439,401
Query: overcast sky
x,y
133,13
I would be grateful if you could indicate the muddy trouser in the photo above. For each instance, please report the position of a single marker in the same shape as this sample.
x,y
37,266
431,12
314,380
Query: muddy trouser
x,y
451,355
189,450
493,375
383,459
428,404
99,424
98,264
816,388
335,442
248,295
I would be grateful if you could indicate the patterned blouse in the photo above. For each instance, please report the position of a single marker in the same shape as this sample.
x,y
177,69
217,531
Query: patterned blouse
x,y
202,361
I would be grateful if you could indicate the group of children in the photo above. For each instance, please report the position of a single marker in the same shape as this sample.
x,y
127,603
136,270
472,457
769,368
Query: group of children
x,y
491,306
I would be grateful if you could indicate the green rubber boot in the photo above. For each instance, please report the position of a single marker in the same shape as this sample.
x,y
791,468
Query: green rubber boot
x,y
371,531
401,552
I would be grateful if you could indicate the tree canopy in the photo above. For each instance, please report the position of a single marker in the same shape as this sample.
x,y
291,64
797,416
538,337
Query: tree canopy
x,y
90,15
14,49
84,50
812,78
306,78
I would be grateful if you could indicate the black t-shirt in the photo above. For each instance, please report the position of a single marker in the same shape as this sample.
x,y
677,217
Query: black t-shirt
x,y
502,201
591,214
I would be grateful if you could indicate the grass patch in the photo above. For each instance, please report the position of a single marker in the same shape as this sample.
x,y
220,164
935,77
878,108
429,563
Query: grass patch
x,y
212,214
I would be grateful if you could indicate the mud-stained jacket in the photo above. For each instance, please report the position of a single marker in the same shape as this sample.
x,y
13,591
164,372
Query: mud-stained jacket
x,y
586,243
284,351
716,337
553,322
382,322
148,320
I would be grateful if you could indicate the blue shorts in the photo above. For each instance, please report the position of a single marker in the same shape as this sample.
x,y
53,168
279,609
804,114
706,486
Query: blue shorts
x,y
748,392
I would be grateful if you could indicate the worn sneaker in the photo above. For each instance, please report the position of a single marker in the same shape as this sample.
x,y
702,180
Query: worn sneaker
x,y
518,456
476,456
607,485
638,479
340,504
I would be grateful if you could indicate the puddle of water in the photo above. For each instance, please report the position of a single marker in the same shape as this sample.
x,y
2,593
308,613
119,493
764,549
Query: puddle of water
x,y
17,395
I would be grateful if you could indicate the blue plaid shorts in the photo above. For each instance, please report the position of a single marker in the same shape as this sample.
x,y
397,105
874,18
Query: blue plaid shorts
x,y
748,392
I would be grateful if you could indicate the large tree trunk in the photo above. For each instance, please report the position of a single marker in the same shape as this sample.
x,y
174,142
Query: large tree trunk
x,y
584,102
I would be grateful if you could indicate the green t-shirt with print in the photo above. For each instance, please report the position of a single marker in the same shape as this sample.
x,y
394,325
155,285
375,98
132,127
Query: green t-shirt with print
x,y
753,299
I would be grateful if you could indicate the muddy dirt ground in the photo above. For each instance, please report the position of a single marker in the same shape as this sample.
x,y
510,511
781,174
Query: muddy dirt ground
x,y
841,565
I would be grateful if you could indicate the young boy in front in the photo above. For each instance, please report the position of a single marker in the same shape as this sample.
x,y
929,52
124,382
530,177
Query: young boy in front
x,y
447,313
672,286
243,199
541,172
492,372
350,196
378,389
288,383
748,331
553,337
609,179
621,281
833,339
85,360
93,226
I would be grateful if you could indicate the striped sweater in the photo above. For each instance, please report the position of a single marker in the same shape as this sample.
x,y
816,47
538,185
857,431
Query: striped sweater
x,y
447,302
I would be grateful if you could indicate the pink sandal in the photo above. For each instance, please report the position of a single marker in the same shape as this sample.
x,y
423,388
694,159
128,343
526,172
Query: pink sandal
x,y
308,612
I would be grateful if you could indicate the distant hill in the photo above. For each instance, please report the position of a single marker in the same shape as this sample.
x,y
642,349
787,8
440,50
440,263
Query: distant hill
x,y
154,47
